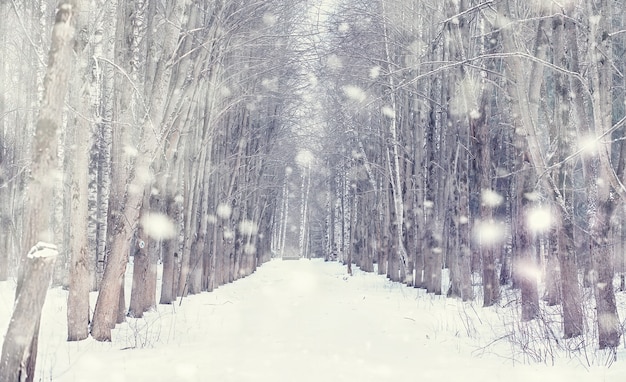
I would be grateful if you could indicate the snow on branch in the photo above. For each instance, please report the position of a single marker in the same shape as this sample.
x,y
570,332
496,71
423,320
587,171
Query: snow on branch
x,y
43,250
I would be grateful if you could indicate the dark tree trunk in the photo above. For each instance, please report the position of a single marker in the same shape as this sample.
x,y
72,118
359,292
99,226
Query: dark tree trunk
x,y
609,331
524,251
552,275
570,290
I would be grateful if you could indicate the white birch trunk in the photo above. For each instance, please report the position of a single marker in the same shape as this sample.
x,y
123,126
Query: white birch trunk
x,y
81,255
285,218
45,172
396,182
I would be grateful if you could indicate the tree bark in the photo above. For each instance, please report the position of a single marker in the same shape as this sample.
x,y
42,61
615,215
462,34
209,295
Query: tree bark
x,y
44,172
109,296
18,348
81,256
570,291
396,159
602,203
524,250
5,159
564,40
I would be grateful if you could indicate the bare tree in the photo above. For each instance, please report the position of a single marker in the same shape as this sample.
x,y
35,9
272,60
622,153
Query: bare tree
x,y
44,174
607,177
107,306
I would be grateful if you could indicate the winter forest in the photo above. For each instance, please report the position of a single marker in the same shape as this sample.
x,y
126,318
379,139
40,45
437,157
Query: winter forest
x,y
474,150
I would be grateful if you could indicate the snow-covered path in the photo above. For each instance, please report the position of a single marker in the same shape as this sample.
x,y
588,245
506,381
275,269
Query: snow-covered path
x,y
297,321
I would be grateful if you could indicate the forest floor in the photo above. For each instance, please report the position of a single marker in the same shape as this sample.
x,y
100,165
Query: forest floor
x,y
306,320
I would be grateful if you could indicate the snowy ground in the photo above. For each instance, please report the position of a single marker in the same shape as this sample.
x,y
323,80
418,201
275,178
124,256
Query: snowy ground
x,y
305,321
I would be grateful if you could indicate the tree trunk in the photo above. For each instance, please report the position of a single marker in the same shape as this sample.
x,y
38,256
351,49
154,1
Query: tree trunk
x,y
462,280
24,324
5,174
109,296
429,246
5,203
607,319
564,37
525,96
101,159
552,294
170,252
39,195
489,236
81,255
44,172
143,291
570,291
524,250
396,159
601,201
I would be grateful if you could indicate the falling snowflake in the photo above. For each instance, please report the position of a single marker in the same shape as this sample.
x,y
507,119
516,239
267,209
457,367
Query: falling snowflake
x,y
130,151
144,175
270,83
304,158
228,234
489,232
249,249
528,270
588,145
375,72
388,112
158,226
334,62
539,219
248,228
225,91
343,27
355,93
269,19
491,198
532,196
223,211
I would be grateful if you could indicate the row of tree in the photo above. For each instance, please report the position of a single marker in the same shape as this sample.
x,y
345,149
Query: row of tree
x,y
478,136
482,137
169,148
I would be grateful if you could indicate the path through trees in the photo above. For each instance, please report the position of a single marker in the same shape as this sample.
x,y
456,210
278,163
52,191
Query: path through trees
x,y
455,143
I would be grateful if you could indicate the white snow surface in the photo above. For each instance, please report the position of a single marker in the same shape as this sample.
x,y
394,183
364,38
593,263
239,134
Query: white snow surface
x,y
302,320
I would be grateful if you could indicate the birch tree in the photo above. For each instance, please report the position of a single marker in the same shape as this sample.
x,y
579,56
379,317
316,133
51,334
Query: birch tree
x,y
81,256
5,153
44,174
